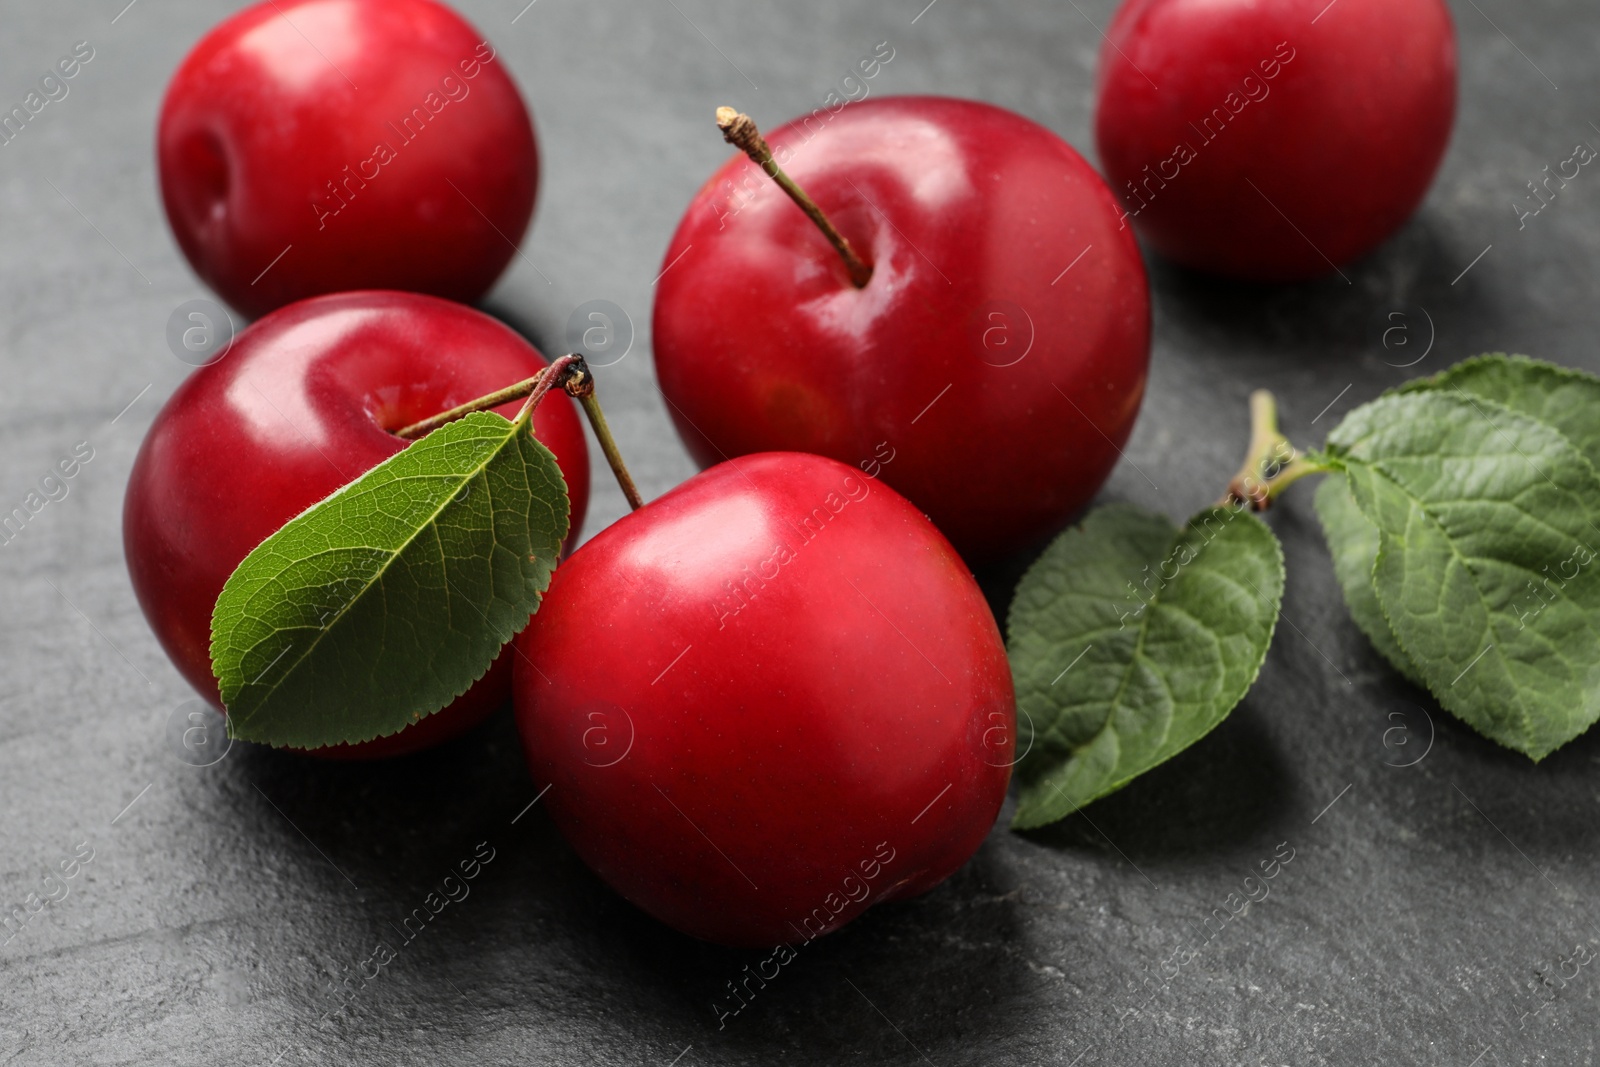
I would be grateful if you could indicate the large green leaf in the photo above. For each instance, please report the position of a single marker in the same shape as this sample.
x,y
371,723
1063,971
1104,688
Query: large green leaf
x,y
1353,543
1130,640
1567,399
387,600
1485,568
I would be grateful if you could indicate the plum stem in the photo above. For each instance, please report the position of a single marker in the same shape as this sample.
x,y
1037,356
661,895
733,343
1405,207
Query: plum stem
x,y
561,372
523,388
572,374
740,130
580,386
1271,463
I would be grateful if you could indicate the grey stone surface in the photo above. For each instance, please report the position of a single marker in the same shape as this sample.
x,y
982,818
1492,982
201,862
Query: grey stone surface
x,y
1423,915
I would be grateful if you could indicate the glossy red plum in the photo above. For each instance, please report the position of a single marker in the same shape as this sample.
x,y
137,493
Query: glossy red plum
x,y
767,700
314,146
1274,141
998,351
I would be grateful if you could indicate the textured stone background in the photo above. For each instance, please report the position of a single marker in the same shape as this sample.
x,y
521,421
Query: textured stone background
x,y
1414,925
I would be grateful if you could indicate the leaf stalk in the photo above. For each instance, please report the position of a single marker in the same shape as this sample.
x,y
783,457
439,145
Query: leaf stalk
x,y
1272,463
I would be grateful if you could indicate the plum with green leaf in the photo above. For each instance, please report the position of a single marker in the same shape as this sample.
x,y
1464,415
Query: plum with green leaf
x,y
306,401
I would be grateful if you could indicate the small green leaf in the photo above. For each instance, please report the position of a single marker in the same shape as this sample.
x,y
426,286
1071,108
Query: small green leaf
x,y
1486,521
1353,542
387,600
1130,641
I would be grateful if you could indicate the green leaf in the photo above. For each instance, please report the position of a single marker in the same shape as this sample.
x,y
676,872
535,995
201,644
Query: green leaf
x,y
1476,507
387,600
1130,641
1353,542
1565,398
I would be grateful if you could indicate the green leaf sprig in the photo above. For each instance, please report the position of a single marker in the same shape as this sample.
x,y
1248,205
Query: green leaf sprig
x,y
1463,516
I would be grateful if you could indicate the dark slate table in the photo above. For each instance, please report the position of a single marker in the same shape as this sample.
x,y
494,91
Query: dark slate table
x,y
1426,908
